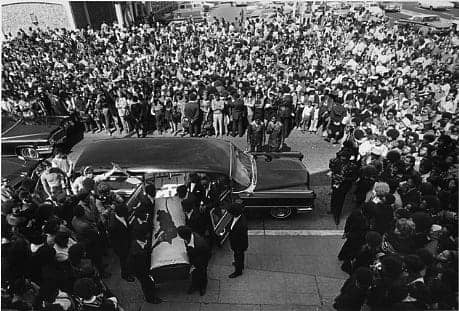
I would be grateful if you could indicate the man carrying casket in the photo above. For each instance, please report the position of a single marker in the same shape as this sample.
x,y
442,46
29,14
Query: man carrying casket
x,y
139,264
199,253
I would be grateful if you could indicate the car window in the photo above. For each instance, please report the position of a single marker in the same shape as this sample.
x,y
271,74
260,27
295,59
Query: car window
x,y
242,170
432,19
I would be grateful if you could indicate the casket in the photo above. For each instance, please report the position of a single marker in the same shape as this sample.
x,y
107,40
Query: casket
x,y
169,259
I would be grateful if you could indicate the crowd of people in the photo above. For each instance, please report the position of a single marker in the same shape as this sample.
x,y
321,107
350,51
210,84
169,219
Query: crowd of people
x,y
401,247
265,78
58,229
387,93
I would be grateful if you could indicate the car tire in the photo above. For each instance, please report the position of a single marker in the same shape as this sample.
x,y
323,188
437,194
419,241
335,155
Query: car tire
x,y
280,212
29,153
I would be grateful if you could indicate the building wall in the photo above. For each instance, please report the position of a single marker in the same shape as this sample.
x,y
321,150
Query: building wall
x,y
101,11
79,14
16,15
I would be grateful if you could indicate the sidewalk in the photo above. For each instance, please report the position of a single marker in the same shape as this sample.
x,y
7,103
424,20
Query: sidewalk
x,y
282,273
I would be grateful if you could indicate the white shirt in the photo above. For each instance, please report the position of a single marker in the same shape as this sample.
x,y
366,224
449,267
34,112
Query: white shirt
x,y
191,244
235,219
122,220
141,244
192,185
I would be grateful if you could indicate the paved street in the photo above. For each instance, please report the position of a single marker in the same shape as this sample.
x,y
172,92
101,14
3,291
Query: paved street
x,y
282,273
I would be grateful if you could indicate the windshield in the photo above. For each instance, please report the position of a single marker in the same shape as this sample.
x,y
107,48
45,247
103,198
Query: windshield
x,y
242,170
432,19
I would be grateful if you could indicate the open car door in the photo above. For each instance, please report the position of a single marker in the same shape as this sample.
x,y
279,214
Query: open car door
x,y
134,199
220,217
124,183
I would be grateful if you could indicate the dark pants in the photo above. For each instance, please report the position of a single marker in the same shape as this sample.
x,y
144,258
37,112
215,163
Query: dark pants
x,y
195,128
238,127
159,121
286,126
256,146
199,278
123,256
337,199
148,286
238,261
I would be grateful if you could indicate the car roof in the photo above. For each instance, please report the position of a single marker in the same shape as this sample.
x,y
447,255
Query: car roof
x,y
159,154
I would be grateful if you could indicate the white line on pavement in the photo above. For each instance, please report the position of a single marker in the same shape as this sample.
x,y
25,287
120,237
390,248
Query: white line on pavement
x,y
296,232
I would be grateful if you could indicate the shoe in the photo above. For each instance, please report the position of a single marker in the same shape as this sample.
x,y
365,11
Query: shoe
x,y
128,278
153,300
234,275
202,292
190,290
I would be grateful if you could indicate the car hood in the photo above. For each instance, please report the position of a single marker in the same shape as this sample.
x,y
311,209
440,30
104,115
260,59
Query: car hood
x,y
24,131
280,173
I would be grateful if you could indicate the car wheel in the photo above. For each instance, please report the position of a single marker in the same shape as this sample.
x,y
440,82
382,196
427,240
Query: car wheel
x,y
29,153
281,212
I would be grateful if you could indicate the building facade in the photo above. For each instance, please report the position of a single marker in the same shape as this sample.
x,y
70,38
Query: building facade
x,y
32,14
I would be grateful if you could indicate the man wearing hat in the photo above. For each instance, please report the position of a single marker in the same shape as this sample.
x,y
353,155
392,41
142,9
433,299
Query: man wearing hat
x,y
239,238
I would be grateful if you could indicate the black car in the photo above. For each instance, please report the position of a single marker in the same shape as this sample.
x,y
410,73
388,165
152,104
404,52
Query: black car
x,y
36,138
276,182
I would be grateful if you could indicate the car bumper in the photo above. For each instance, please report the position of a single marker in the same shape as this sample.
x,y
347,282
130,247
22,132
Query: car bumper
x,y
45,150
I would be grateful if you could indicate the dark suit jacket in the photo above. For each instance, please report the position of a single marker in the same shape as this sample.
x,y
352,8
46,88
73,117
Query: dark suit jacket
x,y
238,108
191,111
199,255
198,191
197,222
139,259
239,237
120,235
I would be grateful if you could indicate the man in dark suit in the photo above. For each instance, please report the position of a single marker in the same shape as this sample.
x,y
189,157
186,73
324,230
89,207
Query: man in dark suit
x,y
120,238
239,238
193,216
89,235
192,113
199,252
285,112
194,187
237,114
139,264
